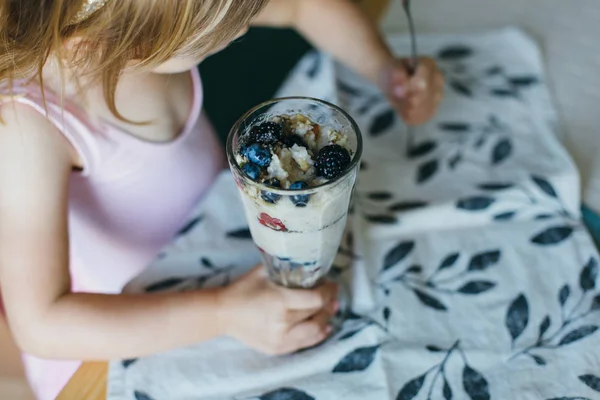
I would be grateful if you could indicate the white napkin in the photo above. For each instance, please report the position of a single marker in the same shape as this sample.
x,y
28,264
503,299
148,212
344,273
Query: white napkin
x,y
472,275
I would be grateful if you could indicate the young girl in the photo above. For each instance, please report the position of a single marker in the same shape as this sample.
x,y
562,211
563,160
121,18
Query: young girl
x,y
103,153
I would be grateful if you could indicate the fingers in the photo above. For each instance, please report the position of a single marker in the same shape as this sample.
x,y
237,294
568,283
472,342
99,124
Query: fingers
x,y
309,333
394,79
424,93
313,299
294,317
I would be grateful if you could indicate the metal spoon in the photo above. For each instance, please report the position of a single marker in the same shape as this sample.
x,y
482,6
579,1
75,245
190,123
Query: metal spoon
x,y
413,37
413,63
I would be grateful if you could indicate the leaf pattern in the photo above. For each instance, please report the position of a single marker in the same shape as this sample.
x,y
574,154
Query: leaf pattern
x,y
475,384
386,314
414,269
569,398
461,88
240,234
429,300
589,274
505,216
595,303
422,149
397,254
427,171
382,219
476,287
286,393
517,316
380,196
315,66
544,327
482,261
128,363
433,348
538,360
552,236
475,203
563,295
454,161
447,391
452,53
449,261
495,186
190,225
544,185
455,127
503,93
578,334
502,150
524,81
407,206
411,389
382,122
164,285
592,381
350,334
357,360
141,396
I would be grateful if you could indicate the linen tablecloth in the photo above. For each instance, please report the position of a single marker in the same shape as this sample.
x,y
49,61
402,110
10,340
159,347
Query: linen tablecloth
x,y
472,275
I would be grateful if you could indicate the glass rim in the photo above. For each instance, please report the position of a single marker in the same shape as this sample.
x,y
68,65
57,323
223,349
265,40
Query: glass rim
x,y
291,192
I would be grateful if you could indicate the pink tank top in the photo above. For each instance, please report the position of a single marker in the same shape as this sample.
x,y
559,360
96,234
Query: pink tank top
x,y
127,203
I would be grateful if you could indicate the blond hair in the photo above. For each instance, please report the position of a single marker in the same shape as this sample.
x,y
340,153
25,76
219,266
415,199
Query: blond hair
x,y
147,31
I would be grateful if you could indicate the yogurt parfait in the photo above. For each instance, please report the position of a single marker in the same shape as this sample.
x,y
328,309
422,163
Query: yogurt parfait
x,y
295,162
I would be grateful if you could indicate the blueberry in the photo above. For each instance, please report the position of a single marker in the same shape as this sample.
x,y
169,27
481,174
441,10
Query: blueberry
x,y
332,161
252,171
300,200
268,196
243,151
266,133
259,154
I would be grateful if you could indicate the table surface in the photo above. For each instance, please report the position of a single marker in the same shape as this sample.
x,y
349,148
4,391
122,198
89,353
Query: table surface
x,y
89,382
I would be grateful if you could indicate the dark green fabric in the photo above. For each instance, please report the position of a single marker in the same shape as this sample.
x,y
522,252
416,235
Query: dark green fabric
x,y
247,73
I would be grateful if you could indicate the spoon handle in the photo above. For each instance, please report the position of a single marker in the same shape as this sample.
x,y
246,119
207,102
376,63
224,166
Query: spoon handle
x,y
413,37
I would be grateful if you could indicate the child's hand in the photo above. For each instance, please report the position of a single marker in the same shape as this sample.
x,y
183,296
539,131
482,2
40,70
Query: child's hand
x,y
416,97
273,319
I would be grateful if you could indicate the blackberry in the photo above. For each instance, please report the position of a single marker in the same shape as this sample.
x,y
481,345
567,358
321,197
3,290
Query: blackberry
x,y
331,161
258,154
299,200
266,133
291,140
268,196
251,170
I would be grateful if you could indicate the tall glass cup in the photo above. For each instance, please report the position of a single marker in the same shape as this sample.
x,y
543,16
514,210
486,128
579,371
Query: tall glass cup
x,y
298,244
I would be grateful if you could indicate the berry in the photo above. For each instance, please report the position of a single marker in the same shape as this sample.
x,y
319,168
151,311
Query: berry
x,y
252,171
268,196
266,133
332,160
291,140
259,154
299,200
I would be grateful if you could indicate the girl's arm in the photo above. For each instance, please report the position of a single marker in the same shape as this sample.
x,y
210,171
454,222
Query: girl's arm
x,y
340,28
49,321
